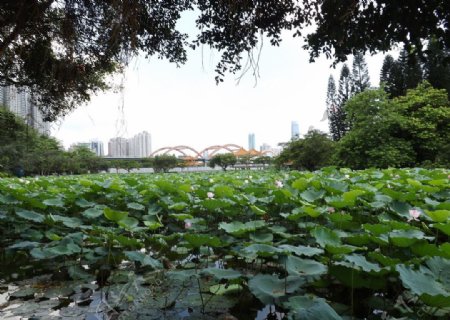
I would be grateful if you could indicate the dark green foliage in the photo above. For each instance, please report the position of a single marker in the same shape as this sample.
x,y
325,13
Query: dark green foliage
x,y
96,38
411,69
332,109
411,130
386,69
402,74
425,115
311,152
337,114
164,162
370,142
23,149
223,160
437,66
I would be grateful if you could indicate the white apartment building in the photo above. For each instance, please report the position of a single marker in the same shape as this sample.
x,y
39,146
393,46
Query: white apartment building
x,y
19,102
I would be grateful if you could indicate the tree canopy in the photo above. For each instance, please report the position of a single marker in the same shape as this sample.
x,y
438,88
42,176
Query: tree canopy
x,y
63,50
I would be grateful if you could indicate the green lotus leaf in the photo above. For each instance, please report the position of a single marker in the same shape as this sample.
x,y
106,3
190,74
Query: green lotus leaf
x,y
269,288
223,191
143,259
224,289
54,202
405,238
312,195
114,215
258,211
136,206
304,267
261,237
359,262
310,308
301,250
260,250
425,284
198,240
239,228
351,196
128,223
438,215
153,225
24,245
219,274
181,216
30,215
92,213
445,228
82,203
300,184
67,221
325,236
401,208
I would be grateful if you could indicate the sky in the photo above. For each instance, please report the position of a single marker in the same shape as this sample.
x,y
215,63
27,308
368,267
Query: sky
x,y
184,106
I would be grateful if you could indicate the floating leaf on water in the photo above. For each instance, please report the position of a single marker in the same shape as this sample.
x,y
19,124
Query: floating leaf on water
x,y
304,267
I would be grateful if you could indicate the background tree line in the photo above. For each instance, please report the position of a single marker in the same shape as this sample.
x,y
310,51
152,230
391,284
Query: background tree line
x,y
403,123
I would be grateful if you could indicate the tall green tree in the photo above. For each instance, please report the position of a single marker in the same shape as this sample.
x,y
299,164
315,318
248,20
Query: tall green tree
x,y
360,74
311,152
437,66
223,160
338,117
164,162
411,69
411,130
372,142
425,122
332,109
386,69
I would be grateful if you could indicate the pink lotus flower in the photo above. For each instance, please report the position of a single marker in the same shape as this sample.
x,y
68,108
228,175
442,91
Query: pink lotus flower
x,y
210,195
279,184
187,225
414,214
331,210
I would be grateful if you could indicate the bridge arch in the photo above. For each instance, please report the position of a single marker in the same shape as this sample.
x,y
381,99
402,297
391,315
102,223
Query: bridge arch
x,y
214,149
180,149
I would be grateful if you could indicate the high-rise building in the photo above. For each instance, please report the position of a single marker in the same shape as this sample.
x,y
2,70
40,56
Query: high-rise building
x,y
140,145
269,151
295,131
118,147
251,141
95,146
20,102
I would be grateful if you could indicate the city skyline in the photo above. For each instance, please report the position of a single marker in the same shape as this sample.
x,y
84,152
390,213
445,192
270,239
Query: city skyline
x,y
184,106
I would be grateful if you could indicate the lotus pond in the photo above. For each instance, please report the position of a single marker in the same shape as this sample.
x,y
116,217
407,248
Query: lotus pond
x,y
334,244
